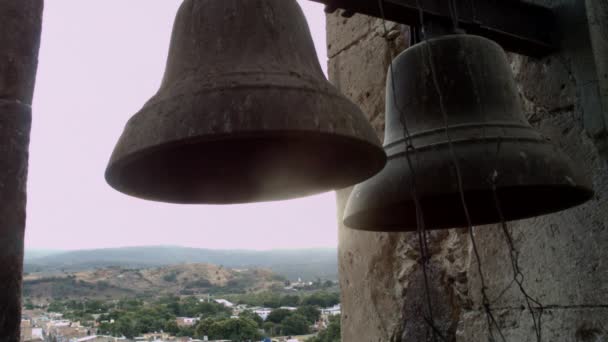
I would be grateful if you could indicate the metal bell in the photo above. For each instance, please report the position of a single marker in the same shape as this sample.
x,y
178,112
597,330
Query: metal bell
x,y
495,146
244,114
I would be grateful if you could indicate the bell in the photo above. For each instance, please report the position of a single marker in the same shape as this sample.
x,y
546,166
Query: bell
x,y
504,163
244,114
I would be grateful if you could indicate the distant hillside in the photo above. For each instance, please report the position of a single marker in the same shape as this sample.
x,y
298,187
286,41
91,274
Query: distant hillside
x,y
305,263
116,282
40,253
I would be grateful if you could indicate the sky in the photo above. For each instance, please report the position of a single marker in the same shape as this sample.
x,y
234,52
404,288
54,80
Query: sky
x,y
100,61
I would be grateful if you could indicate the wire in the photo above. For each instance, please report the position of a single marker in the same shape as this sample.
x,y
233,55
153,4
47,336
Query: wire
x,y
485,301
454,15
518,276
421,228
491,320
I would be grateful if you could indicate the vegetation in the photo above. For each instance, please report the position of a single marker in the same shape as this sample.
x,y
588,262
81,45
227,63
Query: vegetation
x,y
331,334
134,317
276,300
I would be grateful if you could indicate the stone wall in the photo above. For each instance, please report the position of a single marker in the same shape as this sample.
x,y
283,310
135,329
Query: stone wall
x,y
561,255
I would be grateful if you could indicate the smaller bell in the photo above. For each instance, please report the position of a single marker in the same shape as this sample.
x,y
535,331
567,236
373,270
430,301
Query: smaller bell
x,y
495,146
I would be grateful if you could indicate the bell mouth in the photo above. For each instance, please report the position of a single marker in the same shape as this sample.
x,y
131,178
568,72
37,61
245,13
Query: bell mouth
x,y
531,177
447,211
245,167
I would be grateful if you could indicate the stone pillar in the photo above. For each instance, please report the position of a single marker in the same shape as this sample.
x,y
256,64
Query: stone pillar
x,y
19,43
560,254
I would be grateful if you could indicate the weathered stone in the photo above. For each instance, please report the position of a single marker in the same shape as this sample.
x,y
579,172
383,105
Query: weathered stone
x,y
360,74
561,253
15,123
564,324
19,39
19,42
343,33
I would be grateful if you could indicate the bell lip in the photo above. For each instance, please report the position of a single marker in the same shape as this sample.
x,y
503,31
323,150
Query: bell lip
x,y
571,189
583,194
376,157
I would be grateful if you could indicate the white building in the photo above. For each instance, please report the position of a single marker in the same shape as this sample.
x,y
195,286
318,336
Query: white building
x,y
37,333
224,302
186,321
262,312
333,311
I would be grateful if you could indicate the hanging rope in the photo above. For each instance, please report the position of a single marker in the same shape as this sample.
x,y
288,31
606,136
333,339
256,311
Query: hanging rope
x,y
421,227
486,303
518,276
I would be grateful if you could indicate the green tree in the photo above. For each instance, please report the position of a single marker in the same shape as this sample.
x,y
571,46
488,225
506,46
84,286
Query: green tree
x,y
185,332
203,328
253,316
171,327
270,328
170,278
278,315
240,329
290,300
322,299
310,312
331,334
125,326
295,324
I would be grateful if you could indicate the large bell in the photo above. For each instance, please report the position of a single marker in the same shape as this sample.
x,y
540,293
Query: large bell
x,y
244,114
492,142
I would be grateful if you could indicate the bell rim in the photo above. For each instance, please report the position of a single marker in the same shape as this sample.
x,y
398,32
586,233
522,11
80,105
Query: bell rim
x,y
583,194
570,189
374,153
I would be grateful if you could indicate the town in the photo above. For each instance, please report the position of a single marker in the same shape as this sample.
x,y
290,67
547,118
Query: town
x,y
186,319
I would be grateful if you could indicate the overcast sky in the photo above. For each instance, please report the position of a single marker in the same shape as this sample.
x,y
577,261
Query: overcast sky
x,y
100,60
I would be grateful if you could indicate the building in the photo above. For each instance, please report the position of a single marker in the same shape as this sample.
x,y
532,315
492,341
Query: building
x,y
186,321
29,334
99,338
333,311
224,303
262,312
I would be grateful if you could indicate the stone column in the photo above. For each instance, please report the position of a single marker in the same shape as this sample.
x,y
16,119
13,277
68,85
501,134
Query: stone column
x,y
19,43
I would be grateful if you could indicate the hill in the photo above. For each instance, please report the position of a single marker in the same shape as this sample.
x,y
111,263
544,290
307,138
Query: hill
x,y
116,282
308,264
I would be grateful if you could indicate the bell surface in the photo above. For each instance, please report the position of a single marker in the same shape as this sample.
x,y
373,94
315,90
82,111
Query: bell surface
x,y
491,138
244,114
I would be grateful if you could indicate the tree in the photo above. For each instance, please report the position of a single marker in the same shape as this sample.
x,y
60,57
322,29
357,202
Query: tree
x,y
171,327
125,327
331,334
253,316
290,300
185,332
278,315
270,328
295,324
203,328
322,299
240,329
311,313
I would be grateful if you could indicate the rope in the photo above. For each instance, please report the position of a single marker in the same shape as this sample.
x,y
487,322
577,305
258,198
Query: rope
x,y
421,228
